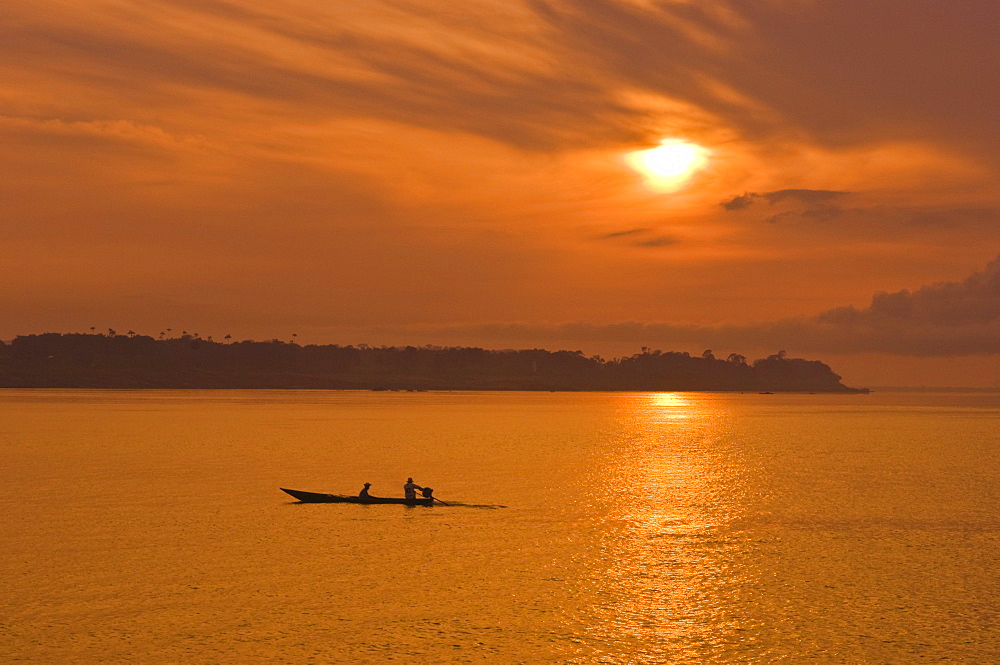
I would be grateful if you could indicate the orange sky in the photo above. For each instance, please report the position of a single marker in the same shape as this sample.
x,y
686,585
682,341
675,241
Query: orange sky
x,y
427,172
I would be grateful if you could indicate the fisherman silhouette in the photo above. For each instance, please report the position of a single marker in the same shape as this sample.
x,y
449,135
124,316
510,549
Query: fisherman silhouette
x,y
410,489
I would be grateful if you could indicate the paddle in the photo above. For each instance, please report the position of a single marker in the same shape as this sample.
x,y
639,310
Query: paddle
x,y
440,501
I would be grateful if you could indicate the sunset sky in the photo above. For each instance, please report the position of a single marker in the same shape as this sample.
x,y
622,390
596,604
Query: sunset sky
x,y
430,172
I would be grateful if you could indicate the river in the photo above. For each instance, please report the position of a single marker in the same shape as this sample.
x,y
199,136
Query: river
x,y
619,528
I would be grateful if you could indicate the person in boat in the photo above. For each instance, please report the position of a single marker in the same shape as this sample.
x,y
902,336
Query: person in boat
x,y
410,489
363,494
427,493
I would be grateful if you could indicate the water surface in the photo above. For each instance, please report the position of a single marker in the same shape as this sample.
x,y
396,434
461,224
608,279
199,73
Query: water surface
x,y
147,527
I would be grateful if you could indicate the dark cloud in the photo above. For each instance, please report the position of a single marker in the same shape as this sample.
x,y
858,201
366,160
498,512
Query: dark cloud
x,y
949,225
642,237
806,196
824,69
973,301
840,216
741,202
945,319
811,197
820,214
657,241
627,232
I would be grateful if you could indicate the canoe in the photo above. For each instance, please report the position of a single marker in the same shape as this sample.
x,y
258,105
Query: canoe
x,y
317,497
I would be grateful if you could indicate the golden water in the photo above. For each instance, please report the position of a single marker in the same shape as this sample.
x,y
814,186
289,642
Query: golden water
x,y
147,527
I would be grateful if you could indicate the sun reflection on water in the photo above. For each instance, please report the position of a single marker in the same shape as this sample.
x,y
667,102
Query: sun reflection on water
x,y
671,548
668,406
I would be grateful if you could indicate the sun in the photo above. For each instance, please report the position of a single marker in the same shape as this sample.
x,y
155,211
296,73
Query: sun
x,y
671,164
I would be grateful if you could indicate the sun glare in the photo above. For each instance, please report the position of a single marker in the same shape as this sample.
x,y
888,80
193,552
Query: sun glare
x,y
671,164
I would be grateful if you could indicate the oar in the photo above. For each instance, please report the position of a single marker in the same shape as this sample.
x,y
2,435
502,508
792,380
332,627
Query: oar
x,y
440,501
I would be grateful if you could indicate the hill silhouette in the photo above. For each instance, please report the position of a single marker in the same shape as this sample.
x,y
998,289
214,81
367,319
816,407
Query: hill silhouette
x,y
54,360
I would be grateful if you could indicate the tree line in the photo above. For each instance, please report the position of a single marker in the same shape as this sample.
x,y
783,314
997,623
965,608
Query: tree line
x,y
98,360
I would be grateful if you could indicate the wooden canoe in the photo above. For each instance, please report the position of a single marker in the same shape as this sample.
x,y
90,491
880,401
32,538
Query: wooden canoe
x,y
317,497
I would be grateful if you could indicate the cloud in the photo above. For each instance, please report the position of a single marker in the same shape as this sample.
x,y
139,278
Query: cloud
x,y
769,69
408,64
937,225
543,75
807,196
820,214
658,241
938,320
115,130
642,237
626,232
850,221
973,301
804,196
741,202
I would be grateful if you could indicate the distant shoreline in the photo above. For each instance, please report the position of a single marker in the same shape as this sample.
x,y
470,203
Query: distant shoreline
x,y
132,361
